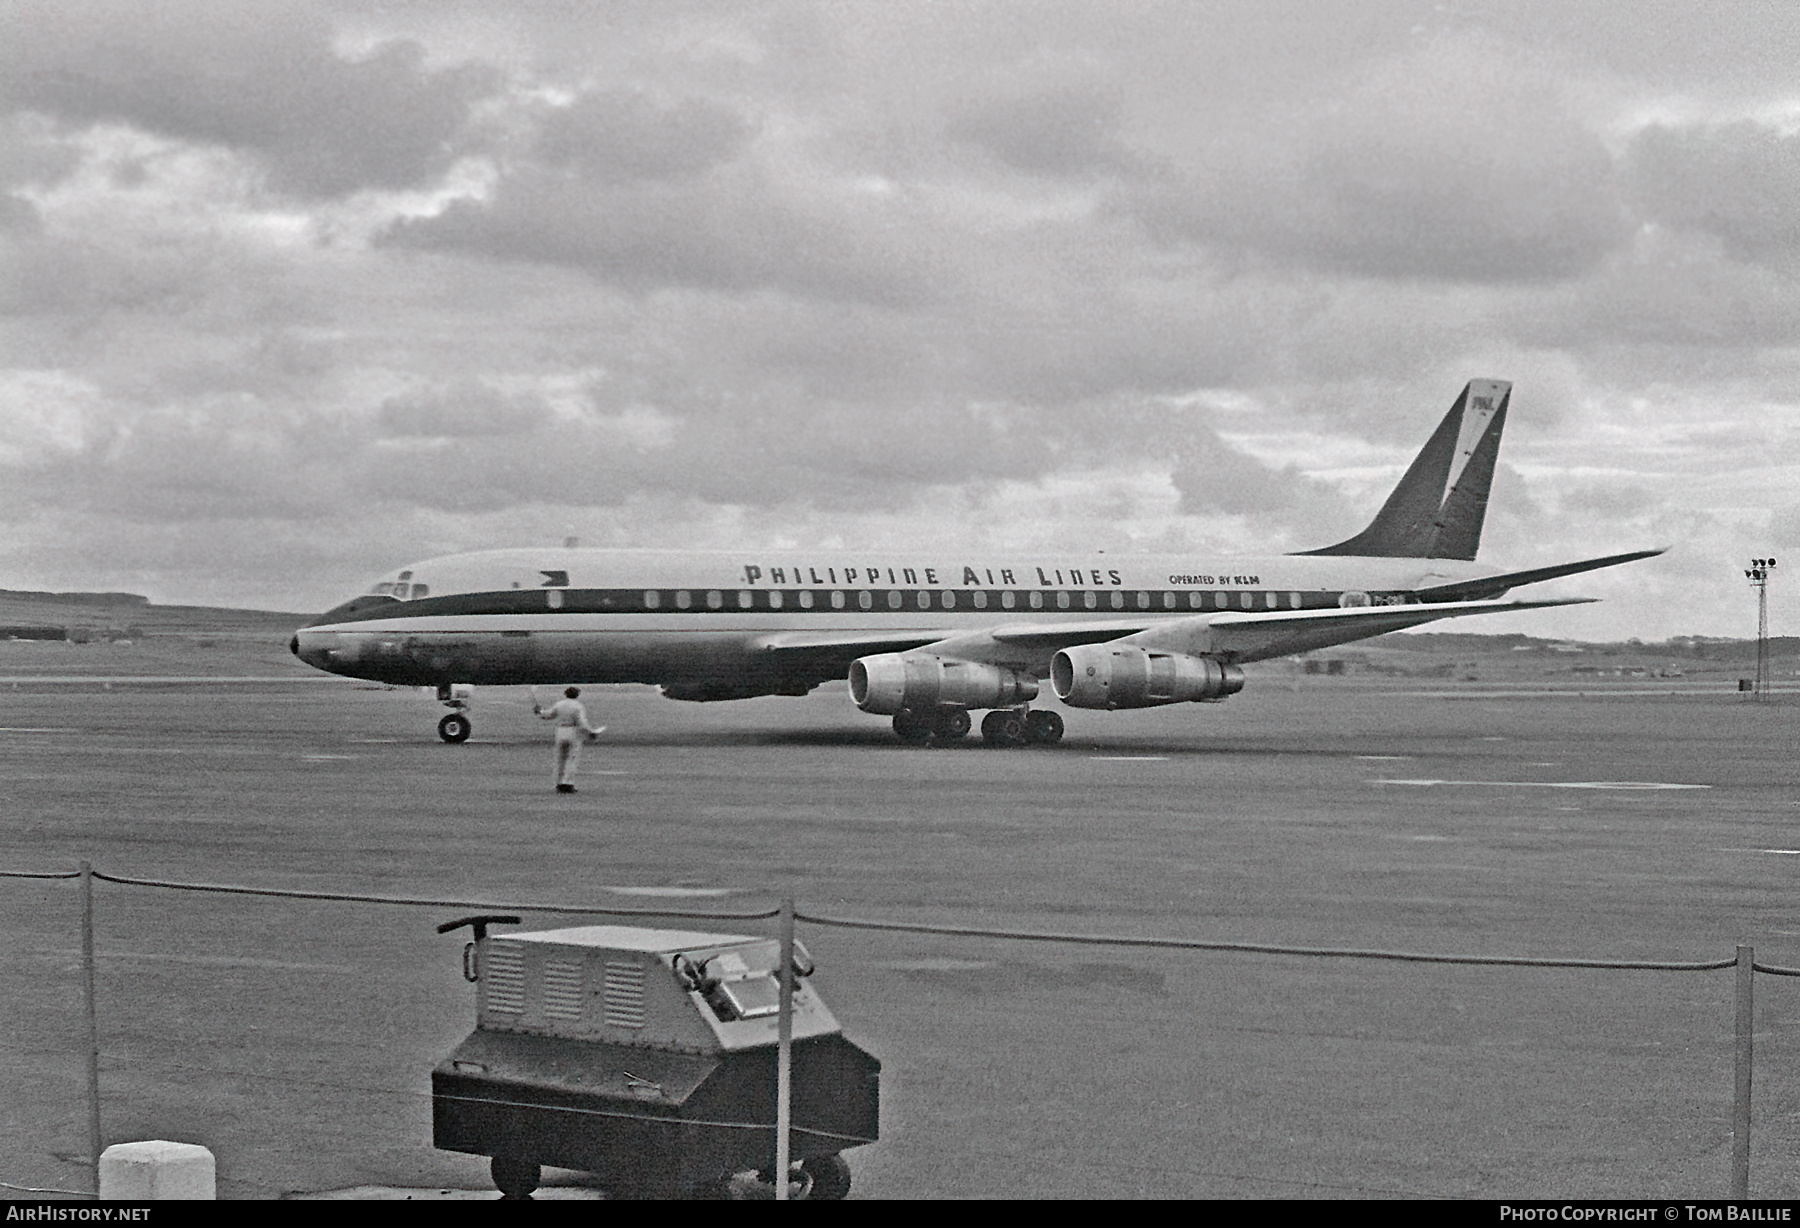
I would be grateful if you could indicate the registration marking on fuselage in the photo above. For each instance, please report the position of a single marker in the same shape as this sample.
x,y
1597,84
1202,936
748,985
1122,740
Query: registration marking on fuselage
x,y
1543,784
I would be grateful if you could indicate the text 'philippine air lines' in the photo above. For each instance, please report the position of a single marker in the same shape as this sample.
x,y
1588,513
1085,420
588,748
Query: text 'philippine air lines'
x,y
973,577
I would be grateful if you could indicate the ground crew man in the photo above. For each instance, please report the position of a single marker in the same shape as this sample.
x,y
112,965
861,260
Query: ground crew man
x,y
572,730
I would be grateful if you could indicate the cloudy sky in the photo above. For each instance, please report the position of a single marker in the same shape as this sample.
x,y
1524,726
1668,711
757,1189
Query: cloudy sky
x,y
297,292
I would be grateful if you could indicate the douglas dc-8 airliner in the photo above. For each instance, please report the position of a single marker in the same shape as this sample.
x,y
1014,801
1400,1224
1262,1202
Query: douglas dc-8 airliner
x,y
927,638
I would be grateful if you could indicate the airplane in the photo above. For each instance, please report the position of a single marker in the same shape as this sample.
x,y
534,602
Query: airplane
x,y
928,638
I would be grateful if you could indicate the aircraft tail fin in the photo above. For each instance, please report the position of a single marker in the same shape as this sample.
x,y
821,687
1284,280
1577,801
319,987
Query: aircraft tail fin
x,y
1436,511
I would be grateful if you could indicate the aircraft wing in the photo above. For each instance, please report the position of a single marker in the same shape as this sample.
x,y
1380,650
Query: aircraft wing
x,y
1279,633
1494,586
1248,636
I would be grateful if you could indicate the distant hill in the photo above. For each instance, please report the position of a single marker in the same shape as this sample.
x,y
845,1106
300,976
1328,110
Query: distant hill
x,y
76,616
76,598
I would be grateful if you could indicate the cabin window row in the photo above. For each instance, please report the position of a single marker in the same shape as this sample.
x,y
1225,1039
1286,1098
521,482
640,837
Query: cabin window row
x,y
977,599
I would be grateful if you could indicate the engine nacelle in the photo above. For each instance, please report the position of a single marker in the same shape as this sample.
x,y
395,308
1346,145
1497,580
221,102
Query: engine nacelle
x,y
898,681
1126,676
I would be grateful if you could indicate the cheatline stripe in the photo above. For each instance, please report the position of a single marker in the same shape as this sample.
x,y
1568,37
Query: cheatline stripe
x,y
824,601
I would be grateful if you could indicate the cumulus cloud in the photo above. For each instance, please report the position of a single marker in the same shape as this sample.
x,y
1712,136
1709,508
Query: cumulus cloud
x,y
613,137
1061,131
1735,181
264,80
1460,160
467,410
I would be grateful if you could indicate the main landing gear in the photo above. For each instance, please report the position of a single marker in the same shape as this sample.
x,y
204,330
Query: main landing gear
x,y
457,726
1001,727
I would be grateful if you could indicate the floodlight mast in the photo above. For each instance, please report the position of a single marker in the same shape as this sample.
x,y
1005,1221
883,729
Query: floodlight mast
x,y
1758,575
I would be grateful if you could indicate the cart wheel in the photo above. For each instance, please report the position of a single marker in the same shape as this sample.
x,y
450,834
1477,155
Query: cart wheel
x,y
830,1178
455,728
515,1178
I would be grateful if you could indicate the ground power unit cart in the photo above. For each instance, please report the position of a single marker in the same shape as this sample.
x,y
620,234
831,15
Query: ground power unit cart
x,y
648,1058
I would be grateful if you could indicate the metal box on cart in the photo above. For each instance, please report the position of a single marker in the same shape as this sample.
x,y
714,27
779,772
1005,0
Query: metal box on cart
x,y
647,1057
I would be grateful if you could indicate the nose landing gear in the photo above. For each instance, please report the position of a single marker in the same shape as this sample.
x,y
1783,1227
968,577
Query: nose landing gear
x,y
457,726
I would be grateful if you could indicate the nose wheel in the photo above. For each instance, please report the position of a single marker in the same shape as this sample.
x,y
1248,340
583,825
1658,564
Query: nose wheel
x,y
455,728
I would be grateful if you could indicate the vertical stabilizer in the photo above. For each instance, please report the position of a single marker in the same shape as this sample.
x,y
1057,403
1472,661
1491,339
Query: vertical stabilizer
x,y
1436,511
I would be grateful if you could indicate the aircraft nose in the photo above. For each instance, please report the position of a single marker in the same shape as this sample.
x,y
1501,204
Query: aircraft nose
x,y
315,650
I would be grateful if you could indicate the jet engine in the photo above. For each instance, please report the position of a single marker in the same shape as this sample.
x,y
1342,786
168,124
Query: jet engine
x,y
1126,676
917,681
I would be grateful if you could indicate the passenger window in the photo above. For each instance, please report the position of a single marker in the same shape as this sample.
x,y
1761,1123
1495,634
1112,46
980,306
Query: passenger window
x,y
1168,601
1118,600
895,599
1143,601
683,599
746,599
1062,599
1090,599
806,599
1269,600
980,599
553,597
1293,601
949,600
774,599
1247,600
1008,600
837,600
715,600
866,599
652,599
1196,600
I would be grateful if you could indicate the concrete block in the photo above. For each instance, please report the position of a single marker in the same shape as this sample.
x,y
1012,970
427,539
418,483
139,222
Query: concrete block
x,y
156,1170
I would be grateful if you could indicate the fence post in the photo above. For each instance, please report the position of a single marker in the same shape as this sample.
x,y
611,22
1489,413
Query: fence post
x,y
784,1052
93,1021
1746,1037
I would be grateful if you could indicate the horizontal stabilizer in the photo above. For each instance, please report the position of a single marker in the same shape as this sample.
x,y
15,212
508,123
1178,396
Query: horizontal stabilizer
x,y
1494,586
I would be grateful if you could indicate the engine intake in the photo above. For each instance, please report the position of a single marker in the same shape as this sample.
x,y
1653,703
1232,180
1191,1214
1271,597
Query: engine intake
x,y
1126,676
917,681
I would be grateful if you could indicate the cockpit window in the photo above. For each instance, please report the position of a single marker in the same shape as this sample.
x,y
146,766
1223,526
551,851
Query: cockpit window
x,y
400,590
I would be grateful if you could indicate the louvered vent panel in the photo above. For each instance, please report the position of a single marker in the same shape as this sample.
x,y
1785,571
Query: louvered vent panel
x,y
503,977
563,984
624,996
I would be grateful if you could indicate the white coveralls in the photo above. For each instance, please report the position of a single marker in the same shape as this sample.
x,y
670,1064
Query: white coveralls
x,y
572,729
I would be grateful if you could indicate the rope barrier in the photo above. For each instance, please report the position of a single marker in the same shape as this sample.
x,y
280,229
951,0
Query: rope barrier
x,y
417,902
950,931
1259,948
